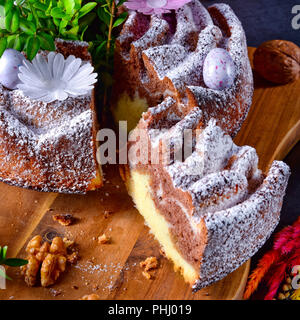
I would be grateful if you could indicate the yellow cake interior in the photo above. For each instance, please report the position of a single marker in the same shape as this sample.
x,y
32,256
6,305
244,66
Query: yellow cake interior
x,y
130,110
138,188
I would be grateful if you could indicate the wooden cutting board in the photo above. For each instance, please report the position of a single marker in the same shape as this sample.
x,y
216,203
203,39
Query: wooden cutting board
x,y
112,270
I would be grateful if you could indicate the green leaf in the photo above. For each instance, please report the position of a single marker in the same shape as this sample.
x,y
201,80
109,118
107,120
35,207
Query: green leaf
x,y
32,47
13,262
3,275
58,13
11,40
8,19
69,5
3,253
87,20
41,14
103,16
50,25
87,8
56,21
83,32
73,32
63,23
40,6
18,44
121,18
15,22
27,26
46,41
101,47
8,6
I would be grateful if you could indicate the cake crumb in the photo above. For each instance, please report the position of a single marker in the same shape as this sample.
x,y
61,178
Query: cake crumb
x,y
68,243
149,264
95,287
107,213
103,239
73,257
54,292
92,296
65,219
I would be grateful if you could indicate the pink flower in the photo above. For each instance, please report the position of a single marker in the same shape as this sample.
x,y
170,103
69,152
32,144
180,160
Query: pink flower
x,y
154,6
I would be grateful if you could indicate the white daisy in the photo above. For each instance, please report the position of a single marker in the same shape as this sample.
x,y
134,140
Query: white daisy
x,y
55,78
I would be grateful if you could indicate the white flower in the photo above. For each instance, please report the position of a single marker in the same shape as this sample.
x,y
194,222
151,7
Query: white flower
x,y
55,78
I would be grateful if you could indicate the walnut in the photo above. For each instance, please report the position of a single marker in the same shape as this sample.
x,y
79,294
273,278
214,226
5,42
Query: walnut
x,y
52,267
65,219
47,260
30,271
278,61
34,245
58,246
92,296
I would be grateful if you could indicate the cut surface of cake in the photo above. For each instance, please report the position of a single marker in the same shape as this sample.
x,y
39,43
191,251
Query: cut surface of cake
x,y
50,146
203,197
159,56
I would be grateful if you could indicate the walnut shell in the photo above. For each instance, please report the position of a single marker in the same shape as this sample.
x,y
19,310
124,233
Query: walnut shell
x,y
278,61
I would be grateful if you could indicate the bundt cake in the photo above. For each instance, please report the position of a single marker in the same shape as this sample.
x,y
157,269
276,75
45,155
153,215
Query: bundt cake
x,y
50,146
159,56
202,196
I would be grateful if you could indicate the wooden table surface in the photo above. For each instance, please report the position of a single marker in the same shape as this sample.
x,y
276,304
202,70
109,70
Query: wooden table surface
x,y
112,271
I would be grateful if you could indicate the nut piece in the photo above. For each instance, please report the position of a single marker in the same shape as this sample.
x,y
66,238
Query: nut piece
x,y
147,275
47,260
51,269
64,219
278,61
30,271
149,264
92,296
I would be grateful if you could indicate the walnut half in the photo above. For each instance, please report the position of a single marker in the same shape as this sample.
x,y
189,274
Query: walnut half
x,y
47,260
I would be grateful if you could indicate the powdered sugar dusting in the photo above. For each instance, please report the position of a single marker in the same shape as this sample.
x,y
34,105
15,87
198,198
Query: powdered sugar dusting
x,y
238,204
168,59
47,147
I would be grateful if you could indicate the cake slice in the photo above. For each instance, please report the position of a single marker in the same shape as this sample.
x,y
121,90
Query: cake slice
x,y
50,146
207,204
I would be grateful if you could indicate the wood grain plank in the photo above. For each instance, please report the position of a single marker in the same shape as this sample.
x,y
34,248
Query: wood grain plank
x,y
20,212
272,125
